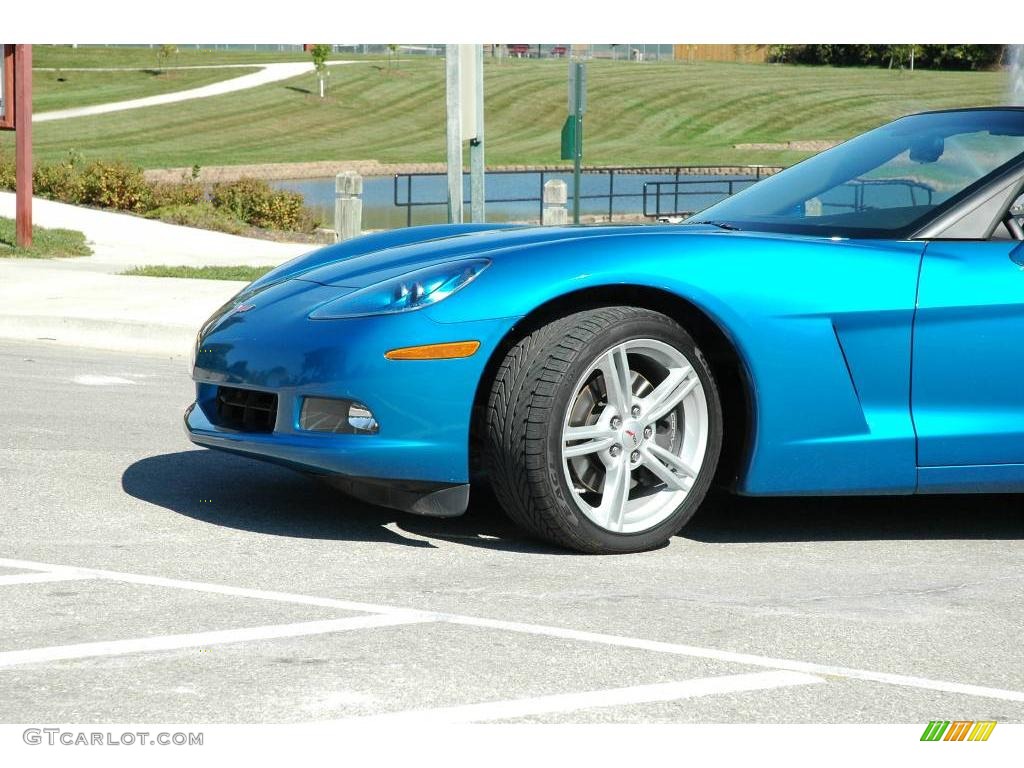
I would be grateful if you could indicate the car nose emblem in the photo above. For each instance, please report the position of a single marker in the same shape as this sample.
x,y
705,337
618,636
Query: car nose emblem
x,y
244,308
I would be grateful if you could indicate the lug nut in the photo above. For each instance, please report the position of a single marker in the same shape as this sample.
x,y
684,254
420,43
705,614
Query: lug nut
x,y
616,422
634,456
635,411
648,431
615,450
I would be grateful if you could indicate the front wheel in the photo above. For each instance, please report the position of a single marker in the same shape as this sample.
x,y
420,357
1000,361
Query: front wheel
x,y
604,430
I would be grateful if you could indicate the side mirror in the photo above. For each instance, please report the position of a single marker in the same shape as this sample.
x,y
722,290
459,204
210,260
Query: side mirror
x,y
1017,255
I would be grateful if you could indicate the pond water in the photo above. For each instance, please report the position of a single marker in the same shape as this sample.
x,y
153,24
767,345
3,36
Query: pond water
x,y
515,196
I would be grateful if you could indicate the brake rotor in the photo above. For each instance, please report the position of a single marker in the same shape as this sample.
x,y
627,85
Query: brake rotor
x,y
588,471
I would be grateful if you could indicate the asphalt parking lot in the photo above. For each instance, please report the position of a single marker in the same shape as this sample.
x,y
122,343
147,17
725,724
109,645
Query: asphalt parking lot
x,y
145,580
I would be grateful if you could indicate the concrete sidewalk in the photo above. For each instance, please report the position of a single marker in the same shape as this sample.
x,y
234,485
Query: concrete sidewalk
x,y
84,302
268,73
121,241
153,315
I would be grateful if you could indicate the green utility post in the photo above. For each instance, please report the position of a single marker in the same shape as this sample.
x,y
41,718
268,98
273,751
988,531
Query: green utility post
x,y
572,131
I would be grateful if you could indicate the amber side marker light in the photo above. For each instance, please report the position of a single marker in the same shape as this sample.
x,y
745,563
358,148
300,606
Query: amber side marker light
x,y
447,351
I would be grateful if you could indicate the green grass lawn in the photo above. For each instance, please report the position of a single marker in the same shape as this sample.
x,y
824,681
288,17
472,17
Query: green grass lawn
x,y
46,243
144,57
69,88
639,114
204,273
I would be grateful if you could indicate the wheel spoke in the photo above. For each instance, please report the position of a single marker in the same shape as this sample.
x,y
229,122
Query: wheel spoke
x,y
629,391
617,380
615,494
588,439
669,468
679,383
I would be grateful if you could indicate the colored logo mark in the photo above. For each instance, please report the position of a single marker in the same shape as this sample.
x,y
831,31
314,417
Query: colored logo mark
x,y
958,730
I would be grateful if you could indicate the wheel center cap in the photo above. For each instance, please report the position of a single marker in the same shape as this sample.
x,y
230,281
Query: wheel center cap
x,y
632,434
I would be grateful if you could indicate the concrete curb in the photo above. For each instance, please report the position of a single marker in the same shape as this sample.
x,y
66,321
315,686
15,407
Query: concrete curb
x,y
94,333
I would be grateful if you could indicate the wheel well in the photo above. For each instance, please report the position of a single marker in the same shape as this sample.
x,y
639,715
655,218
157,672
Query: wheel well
x,y
731,375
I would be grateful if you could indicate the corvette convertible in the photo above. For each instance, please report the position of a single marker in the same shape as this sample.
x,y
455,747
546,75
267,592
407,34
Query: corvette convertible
x,y
851,325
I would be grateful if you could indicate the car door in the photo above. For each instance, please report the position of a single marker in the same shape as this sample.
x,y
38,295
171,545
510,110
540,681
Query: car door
x,y
968,361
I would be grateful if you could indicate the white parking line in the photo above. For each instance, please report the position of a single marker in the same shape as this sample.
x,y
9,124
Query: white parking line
x,y
43,577
615,697
743,658
216,589
200,639
546,631
99,380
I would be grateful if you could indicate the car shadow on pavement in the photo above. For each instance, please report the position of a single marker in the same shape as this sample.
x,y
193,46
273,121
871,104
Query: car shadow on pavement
x,y
727,518
238,492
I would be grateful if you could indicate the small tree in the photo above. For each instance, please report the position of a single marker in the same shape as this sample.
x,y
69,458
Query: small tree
x,y
393,53
163,55
320,52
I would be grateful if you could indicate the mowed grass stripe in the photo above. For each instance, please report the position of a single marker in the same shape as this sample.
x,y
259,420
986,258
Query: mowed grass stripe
x,y
638,113
144,57
53,90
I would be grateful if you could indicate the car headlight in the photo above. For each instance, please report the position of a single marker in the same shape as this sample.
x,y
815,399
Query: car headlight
x,y
405,293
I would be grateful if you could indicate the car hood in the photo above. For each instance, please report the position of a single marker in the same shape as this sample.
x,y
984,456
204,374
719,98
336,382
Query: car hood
x,y
357,271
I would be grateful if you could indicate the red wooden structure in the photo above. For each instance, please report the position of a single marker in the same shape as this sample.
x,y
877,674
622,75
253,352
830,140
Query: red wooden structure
x,y
7,118
17,116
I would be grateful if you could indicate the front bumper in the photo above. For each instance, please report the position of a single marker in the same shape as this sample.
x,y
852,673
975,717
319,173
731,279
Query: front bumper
x,y
419,459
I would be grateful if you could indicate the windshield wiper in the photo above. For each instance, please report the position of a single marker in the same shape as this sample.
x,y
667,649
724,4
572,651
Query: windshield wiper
x,y
720,225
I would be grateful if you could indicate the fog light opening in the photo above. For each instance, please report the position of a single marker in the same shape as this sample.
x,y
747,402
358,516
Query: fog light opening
x,y
361,419
337,415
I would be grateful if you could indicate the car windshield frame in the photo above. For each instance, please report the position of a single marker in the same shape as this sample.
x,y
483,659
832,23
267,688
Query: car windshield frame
x,y
720,215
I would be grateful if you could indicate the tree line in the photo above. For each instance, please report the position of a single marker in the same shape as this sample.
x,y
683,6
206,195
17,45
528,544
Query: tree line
x,y
947,56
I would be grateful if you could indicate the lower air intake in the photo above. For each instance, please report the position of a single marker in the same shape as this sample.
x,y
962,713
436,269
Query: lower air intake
x,y
246,410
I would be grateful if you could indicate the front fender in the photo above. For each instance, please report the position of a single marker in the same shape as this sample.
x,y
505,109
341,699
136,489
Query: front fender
x,y
823,328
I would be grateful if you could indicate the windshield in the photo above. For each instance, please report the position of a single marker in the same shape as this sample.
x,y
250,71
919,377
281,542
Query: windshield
x,y
884,183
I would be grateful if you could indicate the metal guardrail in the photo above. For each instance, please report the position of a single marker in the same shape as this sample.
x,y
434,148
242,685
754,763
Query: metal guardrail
x,y
405,186
859,188
658,192
663,198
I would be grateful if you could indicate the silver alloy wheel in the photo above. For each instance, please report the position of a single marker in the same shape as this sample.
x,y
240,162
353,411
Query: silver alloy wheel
x,y
634,435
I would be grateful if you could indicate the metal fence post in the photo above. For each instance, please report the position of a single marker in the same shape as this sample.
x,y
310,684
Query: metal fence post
x,y
611,195
348,205
556,193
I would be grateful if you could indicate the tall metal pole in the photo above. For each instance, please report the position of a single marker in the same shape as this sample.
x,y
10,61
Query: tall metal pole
x,y
578,153
23,144
454,118
477,195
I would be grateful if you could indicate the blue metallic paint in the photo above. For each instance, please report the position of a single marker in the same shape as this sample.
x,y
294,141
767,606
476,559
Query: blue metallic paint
x,y
969,355
823,327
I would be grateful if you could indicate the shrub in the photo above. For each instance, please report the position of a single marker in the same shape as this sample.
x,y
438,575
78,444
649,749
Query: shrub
x,y
60,181
257,203
163,194
116,185
233,206
6,171
202,215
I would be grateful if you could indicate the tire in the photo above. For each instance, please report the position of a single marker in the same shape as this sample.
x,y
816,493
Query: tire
x,y
554,407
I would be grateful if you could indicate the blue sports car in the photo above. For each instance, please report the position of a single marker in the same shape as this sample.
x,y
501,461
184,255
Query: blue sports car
x,y
852,325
